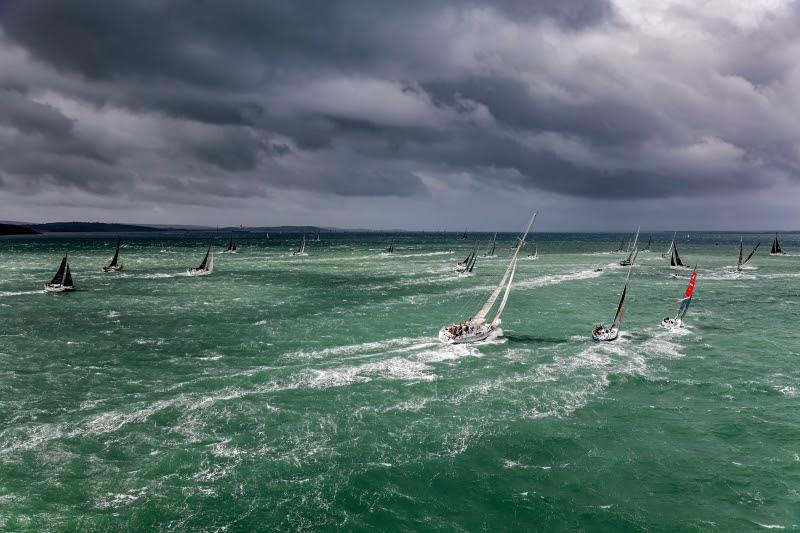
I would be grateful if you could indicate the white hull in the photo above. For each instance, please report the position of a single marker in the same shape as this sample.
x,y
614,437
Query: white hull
x,y
671,323
299,254
478,334
196,272
57,288
461,268
117,268
684,267
782,253
602,334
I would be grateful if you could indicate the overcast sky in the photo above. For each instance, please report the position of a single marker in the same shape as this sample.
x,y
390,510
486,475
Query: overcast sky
x,y
673,114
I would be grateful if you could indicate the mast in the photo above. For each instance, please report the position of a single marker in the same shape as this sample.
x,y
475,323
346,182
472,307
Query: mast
x,y
58,279
739,261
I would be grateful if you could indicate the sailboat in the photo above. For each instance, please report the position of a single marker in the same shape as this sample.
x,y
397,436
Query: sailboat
x,y
647,247
163,248
467,271
675,259
677,321
776,247
493,244
602,333
669,250
62,281
634,251
464,265
390,248
740,263
478,328
301,251
206,267
232,248
114,265
535,255
316,239
464,235
621,246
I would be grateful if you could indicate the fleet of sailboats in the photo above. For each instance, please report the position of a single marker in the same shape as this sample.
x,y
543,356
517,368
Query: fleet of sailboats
x,y
206,267
478,328
114,265
62,281
677,321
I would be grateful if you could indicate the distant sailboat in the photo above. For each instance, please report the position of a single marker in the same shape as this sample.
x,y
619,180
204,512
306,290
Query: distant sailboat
x,y
469,263
114,265
232,248
477,328
464,235
535,255
776,247
493,245
647,247
677,320
206,266
390,248
621,246
163,248
740,263
675,259
62,281
316,239
633,253
601,333
668,253
301,251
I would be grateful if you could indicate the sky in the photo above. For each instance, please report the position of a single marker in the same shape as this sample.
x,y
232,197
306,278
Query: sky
x,y
601,114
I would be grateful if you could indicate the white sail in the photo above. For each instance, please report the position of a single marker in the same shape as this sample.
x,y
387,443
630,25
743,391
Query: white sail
x,y
502,306
210,265
480,316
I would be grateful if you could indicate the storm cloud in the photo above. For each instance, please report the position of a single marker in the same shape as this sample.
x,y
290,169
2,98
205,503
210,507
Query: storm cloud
x,y
207,102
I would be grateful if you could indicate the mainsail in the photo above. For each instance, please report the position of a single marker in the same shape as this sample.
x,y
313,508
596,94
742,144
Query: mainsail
x,y
231,246
115,259
687,297
621,305
675,259
205,260
390,249
740,263
505,282
58,279
502,306
668,253
634,251
776,247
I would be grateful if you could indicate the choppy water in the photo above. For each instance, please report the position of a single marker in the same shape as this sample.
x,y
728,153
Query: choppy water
x,y
311,393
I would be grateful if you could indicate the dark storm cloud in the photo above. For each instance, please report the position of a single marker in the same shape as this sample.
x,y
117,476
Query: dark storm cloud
x,y
196,99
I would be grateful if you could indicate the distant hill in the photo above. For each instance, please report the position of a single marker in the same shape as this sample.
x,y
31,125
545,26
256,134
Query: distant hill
x,y
12,229
89,227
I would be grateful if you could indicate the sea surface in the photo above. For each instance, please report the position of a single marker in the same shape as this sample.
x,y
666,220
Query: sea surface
x,y
312,394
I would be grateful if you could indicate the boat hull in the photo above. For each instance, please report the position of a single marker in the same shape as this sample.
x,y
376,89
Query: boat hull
x,y
117,268
605,335
197,272
57,288
671,323
480,334
299,254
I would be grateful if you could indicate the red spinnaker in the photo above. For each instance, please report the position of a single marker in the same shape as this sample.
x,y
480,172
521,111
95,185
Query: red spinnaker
x,y
690,288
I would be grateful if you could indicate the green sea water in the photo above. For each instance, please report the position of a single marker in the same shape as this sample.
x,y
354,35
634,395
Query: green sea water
x,y
312,394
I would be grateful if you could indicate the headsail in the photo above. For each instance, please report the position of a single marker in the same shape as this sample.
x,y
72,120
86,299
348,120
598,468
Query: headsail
x,y
751,253
668,253
58,279
675,259
621,305
502,306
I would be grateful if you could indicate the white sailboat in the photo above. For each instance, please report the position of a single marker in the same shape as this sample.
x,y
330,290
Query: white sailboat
x,y
301,251
114,265
535,255
62,281
602,333
478,328
633,252
492,245
206,266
